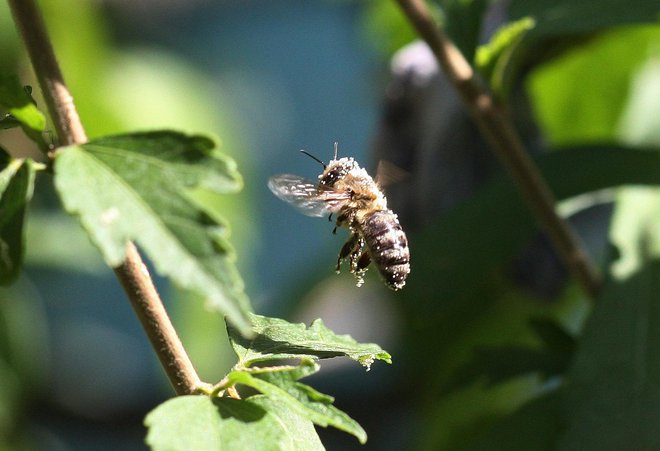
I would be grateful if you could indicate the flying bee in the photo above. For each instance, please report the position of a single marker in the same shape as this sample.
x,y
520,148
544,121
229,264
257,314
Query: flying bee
x,y
348,191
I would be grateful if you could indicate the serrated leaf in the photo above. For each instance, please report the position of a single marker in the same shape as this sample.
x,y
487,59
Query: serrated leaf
x,y
283,388
192,423
16,186
137,187
18,101
276,339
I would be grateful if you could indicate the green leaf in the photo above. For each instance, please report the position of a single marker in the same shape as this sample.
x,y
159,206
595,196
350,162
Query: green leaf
x,y
276,339
499,224
612,399
18,101
581,96
563,17
463,20
493,58
283,388
553,335
16,186
139,187
499,364
535,426
199,423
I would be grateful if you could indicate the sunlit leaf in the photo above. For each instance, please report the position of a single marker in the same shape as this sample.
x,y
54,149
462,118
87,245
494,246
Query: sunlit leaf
x,y
199,423
282,387
276,338
17,101
137,187
493,58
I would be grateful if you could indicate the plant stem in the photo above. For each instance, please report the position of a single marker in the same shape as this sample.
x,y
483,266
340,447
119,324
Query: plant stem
x,y
495,124
132,273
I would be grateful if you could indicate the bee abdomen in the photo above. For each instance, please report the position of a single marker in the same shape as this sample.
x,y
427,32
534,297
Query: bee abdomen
x,y
388,247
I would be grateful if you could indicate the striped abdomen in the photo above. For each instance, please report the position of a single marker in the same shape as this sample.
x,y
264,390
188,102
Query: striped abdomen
x,y
388,247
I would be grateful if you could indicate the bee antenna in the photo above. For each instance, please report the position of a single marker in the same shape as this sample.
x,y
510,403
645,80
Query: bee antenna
x,y
336,146
314,158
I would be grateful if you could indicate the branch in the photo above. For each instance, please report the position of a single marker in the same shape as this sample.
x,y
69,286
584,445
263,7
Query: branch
x,y
132,273
496,126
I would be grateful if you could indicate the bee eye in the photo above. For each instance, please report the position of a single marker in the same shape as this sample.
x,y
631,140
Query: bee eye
x,y
331,177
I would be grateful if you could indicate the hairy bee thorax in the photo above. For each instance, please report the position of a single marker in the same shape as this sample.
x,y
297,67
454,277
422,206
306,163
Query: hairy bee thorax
x,y
345,174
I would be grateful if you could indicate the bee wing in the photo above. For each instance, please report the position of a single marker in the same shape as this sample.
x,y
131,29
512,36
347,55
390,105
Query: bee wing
x,y
387,173
306,196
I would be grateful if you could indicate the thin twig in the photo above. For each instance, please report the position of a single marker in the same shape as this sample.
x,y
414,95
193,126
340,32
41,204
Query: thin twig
x,y
132,273
498,129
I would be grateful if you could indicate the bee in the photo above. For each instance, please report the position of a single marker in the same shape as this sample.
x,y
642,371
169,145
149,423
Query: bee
x,y
348,191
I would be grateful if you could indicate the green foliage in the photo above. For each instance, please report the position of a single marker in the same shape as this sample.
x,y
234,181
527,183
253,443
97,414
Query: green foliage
x,y
16,186
251,421
21,109
276,339
201,423
281,386
18,102
149,180
580,96
493,58
612,397
567,17
463,21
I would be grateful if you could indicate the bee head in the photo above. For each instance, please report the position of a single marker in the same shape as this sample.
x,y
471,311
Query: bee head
x,y
336,170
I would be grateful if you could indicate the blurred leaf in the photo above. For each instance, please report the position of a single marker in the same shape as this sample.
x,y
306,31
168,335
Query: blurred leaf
x,y
535,426
495,365
463,23
16,187
580,96
276,339
612,399
9,121
191,423
492,59
553,335
136,187
498,224
18,101
559,18
387,27
282,387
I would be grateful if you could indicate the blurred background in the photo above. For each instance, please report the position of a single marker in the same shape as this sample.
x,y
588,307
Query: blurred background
x,y
271,78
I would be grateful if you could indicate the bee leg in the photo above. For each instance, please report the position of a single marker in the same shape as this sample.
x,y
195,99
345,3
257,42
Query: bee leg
x,y
364,261
341,220
349,248
330,217
359,265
